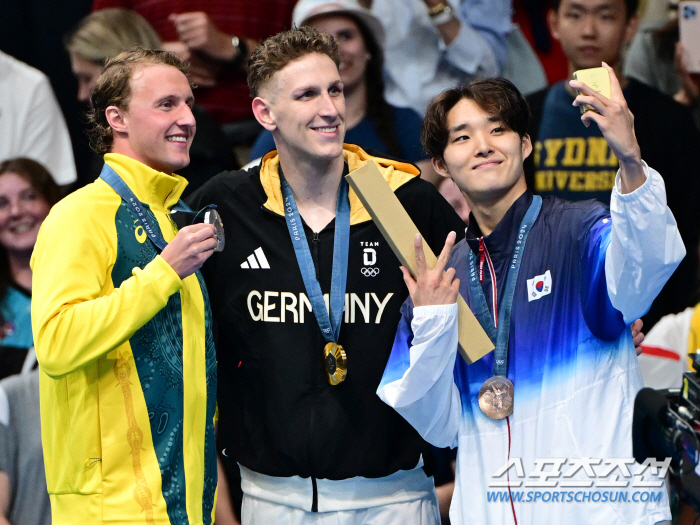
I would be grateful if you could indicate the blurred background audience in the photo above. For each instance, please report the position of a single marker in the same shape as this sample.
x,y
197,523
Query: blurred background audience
x,y
106,33
27,192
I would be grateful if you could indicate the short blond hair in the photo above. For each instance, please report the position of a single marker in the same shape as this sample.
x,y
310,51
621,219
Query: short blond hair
x,y
113,88
277,51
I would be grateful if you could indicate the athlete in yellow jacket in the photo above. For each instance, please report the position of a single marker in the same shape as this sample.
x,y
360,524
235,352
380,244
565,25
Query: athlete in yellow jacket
x,y
123,332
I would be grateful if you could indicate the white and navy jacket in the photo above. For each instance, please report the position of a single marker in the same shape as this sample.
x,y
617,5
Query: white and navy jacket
x,y
587,273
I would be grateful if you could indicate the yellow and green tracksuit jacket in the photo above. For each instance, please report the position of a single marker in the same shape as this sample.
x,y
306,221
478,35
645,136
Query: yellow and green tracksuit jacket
x,y
128,369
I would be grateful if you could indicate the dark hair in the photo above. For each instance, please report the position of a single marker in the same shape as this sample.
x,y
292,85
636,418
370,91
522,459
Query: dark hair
x,y
496,96
279,50
41,180
631,5
379,112
113,89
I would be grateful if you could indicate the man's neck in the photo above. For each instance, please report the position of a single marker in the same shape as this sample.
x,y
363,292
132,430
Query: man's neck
x,y
355,104
489,212
314,185
19,268
616,67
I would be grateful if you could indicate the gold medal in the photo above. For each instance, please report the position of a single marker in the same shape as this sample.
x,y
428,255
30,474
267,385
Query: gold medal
x,y
336,363
496,397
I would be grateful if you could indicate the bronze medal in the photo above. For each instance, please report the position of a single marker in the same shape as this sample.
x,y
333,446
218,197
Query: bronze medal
x,y
336,363
496,397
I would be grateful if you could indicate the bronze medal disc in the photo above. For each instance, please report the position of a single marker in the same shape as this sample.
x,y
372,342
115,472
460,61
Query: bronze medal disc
x,y
496,397
336,363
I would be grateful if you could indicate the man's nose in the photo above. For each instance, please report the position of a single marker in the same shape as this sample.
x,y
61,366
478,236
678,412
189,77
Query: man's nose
x,y
186,117
588,26
329,106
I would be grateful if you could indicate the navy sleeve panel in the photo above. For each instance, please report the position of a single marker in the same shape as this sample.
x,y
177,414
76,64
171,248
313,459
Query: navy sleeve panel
x,y
603,320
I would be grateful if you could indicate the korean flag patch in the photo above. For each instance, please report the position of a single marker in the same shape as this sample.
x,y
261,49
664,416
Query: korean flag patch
x,y
539,286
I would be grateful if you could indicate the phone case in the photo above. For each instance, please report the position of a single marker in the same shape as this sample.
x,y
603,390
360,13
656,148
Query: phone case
x,y
597,78
689,26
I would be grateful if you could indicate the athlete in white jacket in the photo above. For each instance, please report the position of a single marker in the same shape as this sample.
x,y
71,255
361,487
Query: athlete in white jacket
x,y
561,327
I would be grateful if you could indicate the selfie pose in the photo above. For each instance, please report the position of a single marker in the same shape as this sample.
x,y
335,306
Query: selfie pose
x,y
556,286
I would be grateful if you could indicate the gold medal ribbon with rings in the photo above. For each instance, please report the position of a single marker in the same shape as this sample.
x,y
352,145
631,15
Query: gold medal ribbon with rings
x,y
334,356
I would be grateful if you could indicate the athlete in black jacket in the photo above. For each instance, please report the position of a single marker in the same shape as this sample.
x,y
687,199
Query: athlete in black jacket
x,y
294,433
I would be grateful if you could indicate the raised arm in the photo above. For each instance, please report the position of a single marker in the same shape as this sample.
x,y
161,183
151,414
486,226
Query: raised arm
x,y
418,381
644,247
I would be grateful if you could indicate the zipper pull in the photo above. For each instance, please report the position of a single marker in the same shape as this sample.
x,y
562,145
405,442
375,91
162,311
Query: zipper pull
x,y
482,256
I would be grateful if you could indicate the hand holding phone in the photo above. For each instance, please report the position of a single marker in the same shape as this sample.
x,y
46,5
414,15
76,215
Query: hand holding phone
x,y
596,78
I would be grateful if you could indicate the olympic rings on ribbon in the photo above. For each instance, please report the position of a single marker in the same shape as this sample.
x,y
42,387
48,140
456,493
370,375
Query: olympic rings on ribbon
x,y
370,272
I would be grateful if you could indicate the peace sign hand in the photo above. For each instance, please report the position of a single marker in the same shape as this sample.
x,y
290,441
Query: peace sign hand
x,y
436,286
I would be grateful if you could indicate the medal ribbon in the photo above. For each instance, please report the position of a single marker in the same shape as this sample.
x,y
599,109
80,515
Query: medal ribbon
x,y
330,326
112,178
499,335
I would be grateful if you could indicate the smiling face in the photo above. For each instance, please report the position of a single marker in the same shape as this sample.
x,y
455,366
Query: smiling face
x,y
482,156
304,107
22,210
158,126
86,72
592,31
353,51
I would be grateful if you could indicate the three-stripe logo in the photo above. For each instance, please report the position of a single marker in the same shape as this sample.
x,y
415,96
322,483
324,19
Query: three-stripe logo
x,y
256,260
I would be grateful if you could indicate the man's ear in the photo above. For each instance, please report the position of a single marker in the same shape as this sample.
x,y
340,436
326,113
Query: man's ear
x,y
263,114
553,22
115,119
526,145
631,29
440,167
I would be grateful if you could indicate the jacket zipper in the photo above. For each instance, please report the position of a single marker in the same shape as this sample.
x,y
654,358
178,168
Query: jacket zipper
x,y
314,487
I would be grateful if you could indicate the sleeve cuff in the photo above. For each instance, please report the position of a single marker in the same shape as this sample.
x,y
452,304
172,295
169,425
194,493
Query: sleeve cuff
x,y
651,175
424,312
164,275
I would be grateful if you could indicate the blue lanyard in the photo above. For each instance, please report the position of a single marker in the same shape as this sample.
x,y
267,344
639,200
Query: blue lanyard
x,y
112,178
499,335
330,326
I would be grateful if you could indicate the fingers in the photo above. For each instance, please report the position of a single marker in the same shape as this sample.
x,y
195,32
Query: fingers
x,y
420,255
198,232
446,251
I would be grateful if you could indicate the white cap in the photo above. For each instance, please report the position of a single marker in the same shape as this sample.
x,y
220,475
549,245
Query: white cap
x,y
308,9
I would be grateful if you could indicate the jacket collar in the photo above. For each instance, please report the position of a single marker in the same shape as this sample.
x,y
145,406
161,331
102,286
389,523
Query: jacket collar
x,y
157,189
502,239
396,173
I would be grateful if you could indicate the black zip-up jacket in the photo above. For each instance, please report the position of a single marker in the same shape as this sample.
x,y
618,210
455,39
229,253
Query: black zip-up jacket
x,y
278,415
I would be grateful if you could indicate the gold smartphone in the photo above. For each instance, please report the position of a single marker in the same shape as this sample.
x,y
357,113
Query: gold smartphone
x,y
596,78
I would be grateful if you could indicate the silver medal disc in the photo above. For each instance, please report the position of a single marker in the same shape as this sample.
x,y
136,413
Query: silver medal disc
x,y
212,217
496,397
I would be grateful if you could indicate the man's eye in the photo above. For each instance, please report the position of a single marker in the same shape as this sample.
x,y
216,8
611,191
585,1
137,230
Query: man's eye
x,y
335,90
461,138
498,129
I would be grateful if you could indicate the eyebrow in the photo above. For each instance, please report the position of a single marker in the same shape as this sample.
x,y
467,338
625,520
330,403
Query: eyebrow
x,y
601,7
465,125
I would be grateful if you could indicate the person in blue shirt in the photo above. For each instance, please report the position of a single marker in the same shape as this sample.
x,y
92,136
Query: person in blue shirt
x,y
27,192
372,123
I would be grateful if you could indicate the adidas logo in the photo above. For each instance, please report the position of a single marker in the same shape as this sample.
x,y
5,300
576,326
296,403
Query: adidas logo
x,y
255,261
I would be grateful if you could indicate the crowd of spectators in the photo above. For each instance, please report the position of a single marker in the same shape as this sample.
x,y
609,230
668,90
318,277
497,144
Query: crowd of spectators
x,y
396,55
